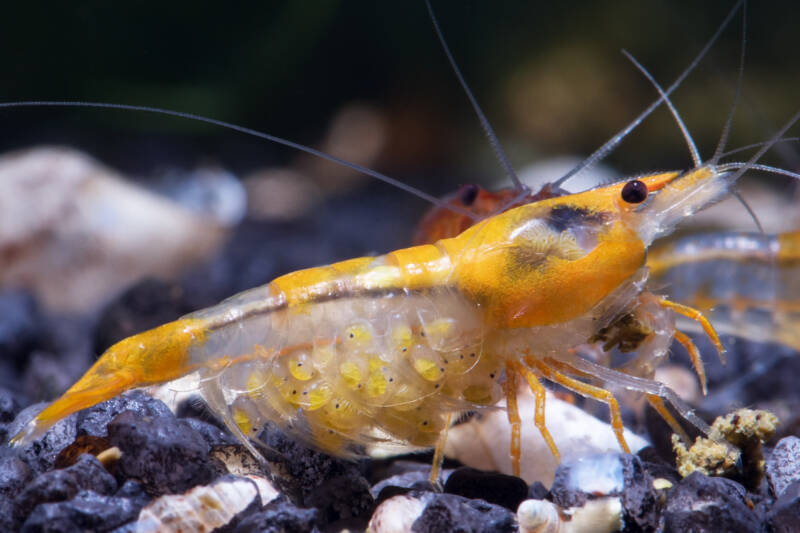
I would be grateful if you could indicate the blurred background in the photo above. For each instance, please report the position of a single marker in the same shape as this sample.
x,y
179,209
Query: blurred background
x,y
364,80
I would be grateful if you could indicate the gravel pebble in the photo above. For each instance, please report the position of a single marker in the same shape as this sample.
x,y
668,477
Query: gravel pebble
x,y
784,516
166,455
700,503
87,511
449,513
609,474
783,465
279,516
40,454
14,475
63,484
336,487
94,420
499,489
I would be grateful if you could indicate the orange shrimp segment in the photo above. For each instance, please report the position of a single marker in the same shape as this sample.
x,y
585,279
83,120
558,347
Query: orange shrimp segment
x,y
586,390
694,314
514,420
694,354
155,356
540,394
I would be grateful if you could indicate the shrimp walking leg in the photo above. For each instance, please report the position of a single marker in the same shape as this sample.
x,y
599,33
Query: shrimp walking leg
x,y
694,314
540,394
694,354
514,420
438,454
647,386
658,404
550,373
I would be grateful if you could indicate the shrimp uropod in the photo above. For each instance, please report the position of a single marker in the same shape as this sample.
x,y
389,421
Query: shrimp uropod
x,y
388,348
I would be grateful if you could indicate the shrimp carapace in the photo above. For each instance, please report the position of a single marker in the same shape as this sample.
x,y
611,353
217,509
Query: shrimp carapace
x,y
388,348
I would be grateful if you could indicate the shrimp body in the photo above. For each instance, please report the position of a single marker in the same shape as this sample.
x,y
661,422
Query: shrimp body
x,y
746,282
387,348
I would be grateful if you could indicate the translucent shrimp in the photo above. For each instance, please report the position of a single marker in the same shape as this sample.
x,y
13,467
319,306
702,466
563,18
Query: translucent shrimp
x,y
747,283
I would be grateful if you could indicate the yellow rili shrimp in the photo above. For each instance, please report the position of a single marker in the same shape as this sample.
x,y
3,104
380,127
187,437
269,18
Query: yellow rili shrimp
x,y
390,348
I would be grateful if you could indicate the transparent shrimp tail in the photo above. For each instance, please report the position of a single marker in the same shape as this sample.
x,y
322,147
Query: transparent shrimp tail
x,y
155,356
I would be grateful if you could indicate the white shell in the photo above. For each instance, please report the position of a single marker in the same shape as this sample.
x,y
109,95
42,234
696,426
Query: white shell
x,y
199,510
484,441
396,515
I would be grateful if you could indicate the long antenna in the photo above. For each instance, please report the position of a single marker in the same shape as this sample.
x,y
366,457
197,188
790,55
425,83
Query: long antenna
x,y
254,133
752,163
693,151
726,129
612,143
487,128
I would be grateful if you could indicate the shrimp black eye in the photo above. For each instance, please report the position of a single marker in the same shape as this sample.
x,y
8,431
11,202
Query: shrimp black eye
x,y
634,192
467,194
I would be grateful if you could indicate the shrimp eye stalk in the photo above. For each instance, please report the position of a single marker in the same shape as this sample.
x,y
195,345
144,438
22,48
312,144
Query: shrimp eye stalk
x,y
634,192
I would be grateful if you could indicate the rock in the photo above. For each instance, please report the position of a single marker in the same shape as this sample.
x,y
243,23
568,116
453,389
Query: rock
x,y
537,491
783,465
336,487
213,435
280,516
700,503
401,484
784,517
87,511
92,233
166,455
499,489
60,485
448,513
609,474
14,474
40,453
133,490
94,420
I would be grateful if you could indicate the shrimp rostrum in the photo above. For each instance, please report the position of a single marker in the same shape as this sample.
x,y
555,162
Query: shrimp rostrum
x,y
388,348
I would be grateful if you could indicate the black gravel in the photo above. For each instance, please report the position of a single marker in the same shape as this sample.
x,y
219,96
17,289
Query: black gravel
x,y
699,503
499,489
448,513
166,455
